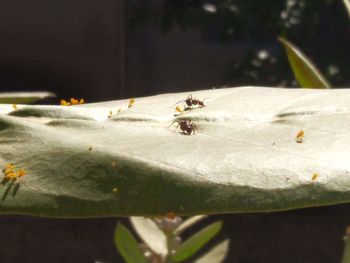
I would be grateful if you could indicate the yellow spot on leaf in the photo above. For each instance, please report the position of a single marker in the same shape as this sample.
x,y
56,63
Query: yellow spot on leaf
x,y
300,136
315,176
178,109
131,102
73,101
64,103
10,172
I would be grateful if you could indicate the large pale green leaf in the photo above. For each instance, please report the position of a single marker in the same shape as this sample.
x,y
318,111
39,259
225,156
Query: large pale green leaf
x,y
305,72
243,158
151,234
217,254
196,242
24,97
127,245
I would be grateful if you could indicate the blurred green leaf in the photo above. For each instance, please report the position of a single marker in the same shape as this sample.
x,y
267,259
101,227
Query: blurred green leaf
x,y
151,234
188,223
195,242
217,254
127,245
305,72
24,97
347,5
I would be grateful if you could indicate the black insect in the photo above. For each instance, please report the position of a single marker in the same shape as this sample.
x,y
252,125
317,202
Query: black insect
x,y
190,101
187,127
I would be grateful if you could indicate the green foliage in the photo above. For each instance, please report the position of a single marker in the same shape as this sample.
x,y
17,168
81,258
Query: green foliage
x,y
196,242
151,234
163,244
304,70
347,5
346,253
127,245
318,27
23,97
215,255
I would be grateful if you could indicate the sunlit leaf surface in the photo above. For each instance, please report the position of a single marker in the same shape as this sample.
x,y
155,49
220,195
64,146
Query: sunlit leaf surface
x,y
217,254
151,234
244,157
305,72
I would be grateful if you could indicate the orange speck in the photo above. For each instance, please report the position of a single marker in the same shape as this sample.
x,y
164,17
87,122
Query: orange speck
x,y
9,170
21,173
300,136
131,102
64,103
315,176
74,101
178,109
7,167
81,101
12,175
170,215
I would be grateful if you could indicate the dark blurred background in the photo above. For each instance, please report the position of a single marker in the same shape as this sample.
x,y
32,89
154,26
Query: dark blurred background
x,y
112,49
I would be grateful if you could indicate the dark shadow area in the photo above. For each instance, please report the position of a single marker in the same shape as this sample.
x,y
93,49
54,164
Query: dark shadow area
x,y
305,235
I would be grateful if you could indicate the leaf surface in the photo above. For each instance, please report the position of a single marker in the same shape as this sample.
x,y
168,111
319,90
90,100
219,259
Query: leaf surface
x,y
24,97
127,245
243,158
217,254
196,242
305,72
151,234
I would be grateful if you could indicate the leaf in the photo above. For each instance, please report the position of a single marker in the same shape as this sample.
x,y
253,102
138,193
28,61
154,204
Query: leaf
x,y
151,234
347,5
217,254
305,72
346,252
127,245
243,158
188,223
24,97
196,242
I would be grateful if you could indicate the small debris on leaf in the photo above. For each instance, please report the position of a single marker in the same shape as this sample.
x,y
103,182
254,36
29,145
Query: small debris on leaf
x,y
73,101
300,136
131,102
11,173
315,176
